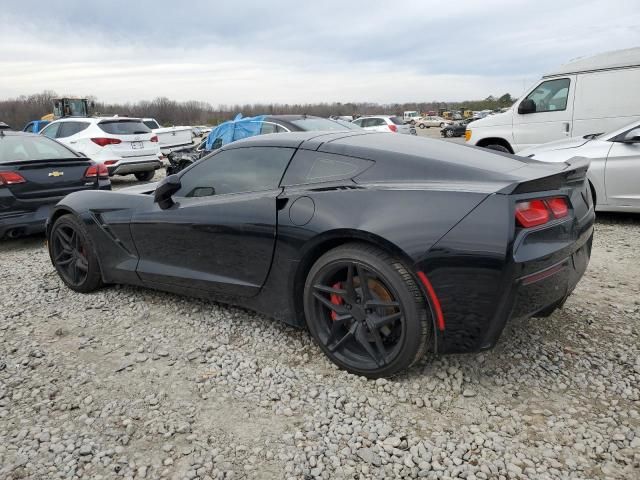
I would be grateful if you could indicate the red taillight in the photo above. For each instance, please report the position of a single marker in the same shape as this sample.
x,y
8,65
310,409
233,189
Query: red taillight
x,y
98,170
103,142
558,206
11,178
154,139
393,128
538,212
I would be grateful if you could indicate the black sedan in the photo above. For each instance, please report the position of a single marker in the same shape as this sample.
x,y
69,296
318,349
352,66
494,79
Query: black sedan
x,y
35,173
457,129
384,246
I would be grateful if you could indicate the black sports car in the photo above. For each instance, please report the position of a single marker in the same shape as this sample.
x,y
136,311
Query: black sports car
x,y
457,129
181,159
35,173
384,246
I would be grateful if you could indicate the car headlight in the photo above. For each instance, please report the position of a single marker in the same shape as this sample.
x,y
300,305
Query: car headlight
x,y
467,135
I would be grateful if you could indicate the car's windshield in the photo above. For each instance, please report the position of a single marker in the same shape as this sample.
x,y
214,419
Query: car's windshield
x,y
15,148
312,124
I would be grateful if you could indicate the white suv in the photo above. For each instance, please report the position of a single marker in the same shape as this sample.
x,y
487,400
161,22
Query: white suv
x,y
385,123
124,145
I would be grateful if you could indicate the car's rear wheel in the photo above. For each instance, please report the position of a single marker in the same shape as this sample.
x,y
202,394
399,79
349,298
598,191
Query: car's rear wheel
x,y
73,255
365,311
421,125
145,176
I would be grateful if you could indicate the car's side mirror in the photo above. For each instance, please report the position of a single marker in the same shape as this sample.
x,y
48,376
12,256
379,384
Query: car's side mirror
x,y
527,106
632,136
165,190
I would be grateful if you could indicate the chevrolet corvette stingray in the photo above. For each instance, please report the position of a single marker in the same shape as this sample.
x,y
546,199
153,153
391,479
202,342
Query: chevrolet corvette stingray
x,y
383,246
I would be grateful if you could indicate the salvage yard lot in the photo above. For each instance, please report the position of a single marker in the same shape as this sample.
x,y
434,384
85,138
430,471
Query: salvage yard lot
x,y
134,383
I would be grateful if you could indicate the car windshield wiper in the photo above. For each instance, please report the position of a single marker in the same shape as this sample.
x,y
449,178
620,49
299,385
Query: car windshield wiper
x,y
591,136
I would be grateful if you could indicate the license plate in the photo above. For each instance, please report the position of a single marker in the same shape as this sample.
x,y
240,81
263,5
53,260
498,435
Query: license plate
x,y
136,145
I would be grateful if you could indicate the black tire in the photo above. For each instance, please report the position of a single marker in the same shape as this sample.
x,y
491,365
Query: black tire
x,y
73,254
145,176
497,147
342,324
412,122
449,133
421,125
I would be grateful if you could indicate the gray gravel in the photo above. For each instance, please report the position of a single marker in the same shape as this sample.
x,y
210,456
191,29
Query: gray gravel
x,y
133,383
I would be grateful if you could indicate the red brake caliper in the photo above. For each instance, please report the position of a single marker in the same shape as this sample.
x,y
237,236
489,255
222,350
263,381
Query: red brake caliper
x,y
336,300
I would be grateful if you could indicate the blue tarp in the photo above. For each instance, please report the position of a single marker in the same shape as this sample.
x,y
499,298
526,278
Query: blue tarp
x,y
235,129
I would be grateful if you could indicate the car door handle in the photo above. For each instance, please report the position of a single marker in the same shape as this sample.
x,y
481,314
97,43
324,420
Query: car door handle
x,y
567,125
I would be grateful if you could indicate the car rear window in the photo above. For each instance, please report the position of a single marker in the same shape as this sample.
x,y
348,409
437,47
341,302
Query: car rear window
x,y
313,124
397,120
151,124
123,127
16,148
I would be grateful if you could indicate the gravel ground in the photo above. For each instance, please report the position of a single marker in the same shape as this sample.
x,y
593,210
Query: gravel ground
x,y
132,383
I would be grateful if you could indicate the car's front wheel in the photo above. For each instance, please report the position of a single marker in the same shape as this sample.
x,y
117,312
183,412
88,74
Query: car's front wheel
x,y
365,311
449,133
145,176
421,125
73,254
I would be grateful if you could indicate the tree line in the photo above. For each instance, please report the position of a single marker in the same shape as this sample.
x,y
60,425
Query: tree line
x,y
18,111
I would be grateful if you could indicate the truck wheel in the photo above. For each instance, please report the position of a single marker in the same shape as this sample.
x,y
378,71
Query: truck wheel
x,y
145,176
497,147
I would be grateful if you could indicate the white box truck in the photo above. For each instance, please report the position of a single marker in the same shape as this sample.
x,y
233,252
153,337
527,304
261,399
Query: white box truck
x,y
589,95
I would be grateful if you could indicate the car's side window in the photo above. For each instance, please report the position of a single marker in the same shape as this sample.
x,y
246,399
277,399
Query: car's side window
x,y
71,128
249,169
313,167
268,127
51,130
378,122
551,96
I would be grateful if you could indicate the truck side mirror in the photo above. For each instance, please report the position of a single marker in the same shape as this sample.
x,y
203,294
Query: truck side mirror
x,y
527,106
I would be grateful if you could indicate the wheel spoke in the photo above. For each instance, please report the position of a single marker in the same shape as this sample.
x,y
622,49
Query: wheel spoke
x,y
65,262
381,304
339,309
350,287
379,346
82,265
361,338
333,347
364,283
64,239
379,322
331,290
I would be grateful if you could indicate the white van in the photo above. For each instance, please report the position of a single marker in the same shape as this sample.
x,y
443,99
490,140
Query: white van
x,y
590,95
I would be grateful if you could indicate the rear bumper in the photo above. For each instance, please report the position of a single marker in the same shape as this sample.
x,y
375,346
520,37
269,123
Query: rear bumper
x,y
126,167
483,279
19,223
20,217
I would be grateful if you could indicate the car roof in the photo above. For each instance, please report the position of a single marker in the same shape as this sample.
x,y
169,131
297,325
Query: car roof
x,y
376,116
94,119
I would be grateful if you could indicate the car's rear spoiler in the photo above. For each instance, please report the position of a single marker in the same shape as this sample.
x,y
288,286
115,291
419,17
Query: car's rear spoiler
x,y
574,171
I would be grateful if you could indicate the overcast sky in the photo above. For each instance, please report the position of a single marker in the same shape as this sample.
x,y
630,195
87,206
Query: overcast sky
x,y
300,51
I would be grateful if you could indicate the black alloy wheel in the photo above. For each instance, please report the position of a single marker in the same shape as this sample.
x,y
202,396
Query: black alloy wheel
x,y
365,311
72,254
449,133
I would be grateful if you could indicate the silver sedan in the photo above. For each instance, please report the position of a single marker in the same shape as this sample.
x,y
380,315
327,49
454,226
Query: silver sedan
x,y
614,173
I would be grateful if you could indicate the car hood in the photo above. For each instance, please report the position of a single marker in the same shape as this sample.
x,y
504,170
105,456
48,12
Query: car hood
x,y
505,118
564,144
